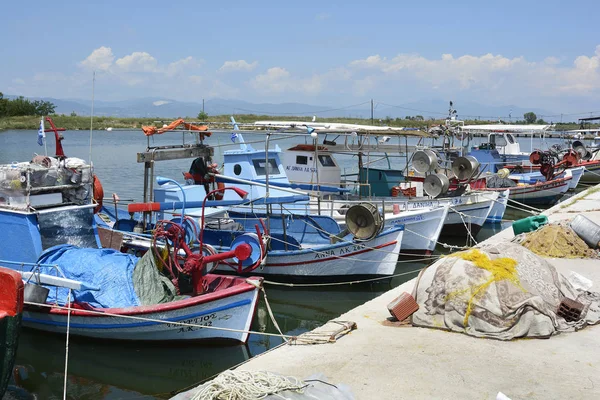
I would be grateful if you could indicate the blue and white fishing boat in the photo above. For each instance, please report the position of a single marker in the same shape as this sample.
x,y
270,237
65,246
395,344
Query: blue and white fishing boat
x,y
48,233
292,247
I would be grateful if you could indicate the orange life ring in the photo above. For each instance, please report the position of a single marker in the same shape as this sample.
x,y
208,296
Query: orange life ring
x,y
98,193
219,195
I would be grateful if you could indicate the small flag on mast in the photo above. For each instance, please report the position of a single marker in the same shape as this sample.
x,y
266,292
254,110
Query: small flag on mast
x,y
41,133
234,136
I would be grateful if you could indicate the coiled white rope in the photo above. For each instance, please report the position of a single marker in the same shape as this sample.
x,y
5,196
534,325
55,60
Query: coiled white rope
x,y
247,385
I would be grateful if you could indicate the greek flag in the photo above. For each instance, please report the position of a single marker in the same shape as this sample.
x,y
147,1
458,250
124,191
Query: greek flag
x,y
233,136
41,133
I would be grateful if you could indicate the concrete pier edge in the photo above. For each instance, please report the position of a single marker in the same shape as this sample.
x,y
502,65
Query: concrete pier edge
x,y
379,361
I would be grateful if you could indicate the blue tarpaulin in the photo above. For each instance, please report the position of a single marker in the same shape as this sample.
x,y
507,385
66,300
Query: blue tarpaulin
x,y
107,269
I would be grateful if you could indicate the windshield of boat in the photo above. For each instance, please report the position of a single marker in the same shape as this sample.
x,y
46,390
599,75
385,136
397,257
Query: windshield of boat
x,y
326,161
498,140
271,169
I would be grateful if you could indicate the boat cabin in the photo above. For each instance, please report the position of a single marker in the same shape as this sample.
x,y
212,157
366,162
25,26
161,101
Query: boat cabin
x,y
504,142
305,165
44,203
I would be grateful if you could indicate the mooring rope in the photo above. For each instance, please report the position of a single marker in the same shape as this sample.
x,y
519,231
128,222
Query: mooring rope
x,y
67,345
246,385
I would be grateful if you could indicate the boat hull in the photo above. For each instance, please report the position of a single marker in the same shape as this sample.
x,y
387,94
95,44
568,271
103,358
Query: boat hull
x,y
422,228
341,261
541,194
233,310
498,208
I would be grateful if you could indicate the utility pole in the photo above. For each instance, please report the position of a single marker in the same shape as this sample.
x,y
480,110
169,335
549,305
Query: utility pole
x,y
203,105
372,112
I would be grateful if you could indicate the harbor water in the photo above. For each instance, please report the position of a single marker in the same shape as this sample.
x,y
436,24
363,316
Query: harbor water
x,y
108,370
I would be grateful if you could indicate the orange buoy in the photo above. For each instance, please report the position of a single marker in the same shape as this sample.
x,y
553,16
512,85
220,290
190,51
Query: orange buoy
x,y
219,195
395,192
98,193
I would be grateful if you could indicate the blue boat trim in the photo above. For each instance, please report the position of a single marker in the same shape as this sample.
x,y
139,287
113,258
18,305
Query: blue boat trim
x,y
137,324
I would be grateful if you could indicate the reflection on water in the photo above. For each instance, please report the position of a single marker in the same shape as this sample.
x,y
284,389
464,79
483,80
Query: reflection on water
x,y
155,370
121,371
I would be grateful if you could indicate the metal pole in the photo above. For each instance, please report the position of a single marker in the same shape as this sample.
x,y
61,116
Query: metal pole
x,y
372,123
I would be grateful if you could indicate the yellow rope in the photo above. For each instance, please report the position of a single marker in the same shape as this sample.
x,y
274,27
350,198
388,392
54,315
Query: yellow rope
x,y
501,269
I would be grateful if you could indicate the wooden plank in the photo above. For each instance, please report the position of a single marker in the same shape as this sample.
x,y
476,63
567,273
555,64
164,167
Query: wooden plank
x,y
175,154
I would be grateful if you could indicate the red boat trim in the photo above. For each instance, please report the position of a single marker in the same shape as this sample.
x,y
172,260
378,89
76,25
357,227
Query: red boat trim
x,y
334,257
239,288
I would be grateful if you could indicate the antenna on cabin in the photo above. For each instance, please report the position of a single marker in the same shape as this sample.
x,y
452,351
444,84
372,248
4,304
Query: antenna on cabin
x,y
452,112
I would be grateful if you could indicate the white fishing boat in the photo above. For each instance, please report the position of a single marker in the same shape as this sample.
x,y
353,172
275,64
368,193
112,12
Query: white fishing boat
x,y
423,224
470,209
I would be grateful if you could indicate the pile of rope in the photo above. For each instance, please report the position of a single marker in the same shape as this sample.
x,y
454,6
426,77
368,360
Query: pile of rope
x,y
243,385
557,240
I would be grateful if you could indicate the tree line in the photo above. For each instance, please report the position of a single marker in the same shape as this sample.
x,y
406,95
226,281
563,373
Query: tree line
x,y
21,106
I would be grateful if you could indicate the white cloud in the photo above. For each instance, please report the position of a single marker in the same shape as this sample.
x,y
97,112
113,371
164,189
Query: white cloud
x,y
196,79
179,66
160,102
18,81
322,16
278,80
487,73
138,61
239,65
369,62
100,59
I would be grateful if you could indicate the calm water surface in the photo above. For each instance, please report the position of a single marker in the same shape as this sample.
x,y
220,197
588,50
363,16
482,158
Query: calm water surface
x,y
99,370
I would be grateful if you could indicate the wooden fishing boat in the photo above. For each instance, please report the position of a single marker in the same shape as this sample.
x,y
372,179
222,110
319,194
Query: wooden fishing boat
x,y
11,309
541,193
48,234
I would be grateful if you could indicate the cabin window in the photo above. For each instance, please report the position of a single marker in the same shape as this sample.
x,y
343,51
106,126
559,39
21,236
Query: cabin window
x,y
510,138
498,140
326,161
237,169
301,160
271,169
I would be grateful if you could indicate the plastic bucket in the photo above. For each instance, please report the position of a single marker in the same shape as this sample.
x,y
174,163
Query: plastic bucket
x,y
35,293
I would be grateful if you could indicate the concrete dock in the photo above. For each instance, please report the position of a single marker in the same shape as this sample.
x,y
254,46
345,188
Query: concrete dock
x,y
383,360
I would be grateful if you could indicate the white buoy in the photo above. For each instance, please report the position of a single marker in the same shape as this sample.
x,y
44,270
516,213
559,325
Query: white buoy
x,y
109,129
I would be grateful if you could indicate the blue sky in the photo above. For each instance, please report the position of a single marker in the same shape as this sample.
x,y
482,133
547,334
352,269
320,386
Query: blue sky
x,y
526,53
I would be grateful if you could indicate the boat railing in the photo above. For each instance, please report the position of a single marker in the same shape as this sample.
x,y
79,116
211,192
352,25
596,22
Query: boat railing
x,y
18,183
34,274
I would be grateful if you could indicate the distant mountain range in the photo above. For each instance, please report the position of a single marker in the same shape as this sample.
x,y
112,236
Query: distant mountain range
x,y
168,108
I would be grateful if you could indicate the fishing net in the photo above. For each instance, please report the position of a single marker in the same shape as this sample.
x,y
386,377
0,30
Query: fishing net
x,y
558,241
482,293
